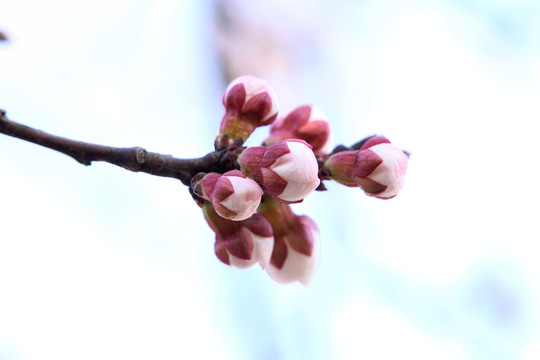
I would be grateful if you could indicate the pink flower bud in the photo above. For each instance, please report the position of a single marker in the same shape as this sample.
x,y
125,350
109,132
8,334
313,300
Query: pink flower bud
x,y
378,168
288,170
297,243
307,123
385,181
241,243
233,194
249,103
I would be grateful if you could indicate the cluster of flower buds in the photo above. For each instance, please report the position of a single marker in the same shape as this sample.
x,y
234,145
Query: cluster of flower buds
x,y
247,201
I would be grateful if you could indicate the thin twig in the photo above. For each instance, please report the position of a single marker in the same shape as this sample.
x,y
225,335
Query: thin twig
x,y
133,158
136,158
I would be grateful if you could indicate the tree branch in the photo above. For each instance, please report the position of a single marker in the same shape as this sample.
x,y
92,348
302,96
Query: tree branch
x,y
133,158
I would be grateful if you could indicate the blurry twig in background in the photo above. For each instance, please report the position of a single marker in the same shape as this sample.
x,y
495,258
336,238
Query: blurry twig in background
x,y
269,40
249,45
3,36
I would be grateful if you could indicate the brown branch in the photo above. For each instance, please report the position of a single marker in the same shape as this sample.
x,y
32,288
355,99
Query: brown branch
x,y
133,158
138,159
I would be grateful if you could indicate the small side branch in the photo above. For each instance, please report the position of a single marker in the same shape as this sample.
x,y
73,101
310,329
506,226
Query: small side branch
x,y
133,158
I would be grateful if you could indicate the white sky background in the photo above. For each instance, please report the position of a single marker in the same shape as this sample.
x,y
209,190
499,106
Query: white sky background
x,y
97,262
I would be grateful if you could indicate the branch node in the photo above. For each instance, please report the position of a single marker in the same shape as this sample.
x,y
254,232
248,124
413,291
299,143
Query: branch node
x,y
140,155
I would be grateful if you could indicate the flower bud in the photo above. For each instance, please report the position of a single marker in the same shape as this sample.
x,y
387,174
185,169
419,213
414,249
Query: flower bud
x,y
288,170
241,243
249,103
305,122
378,167
233,194
296,244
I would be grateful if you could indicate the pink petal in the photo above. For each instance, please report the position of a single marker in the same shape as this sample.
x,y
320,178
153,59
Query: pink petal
x,y
263,249
235,173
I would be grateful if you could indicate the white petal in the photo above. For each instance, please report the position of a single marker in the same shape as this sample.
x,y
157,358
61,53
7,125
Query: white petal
x,y
297,266
317,114
328,146
241,263
392,170
262,252
263,249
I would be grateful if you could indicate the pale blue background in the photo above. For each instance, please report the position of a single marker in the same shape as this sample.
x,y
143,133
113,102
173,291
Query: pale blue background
x,y
100,263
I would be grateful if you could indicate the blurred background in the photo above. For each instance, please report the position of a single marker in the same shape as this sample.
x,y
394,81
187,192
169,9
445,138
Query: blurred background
x,y
101,263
